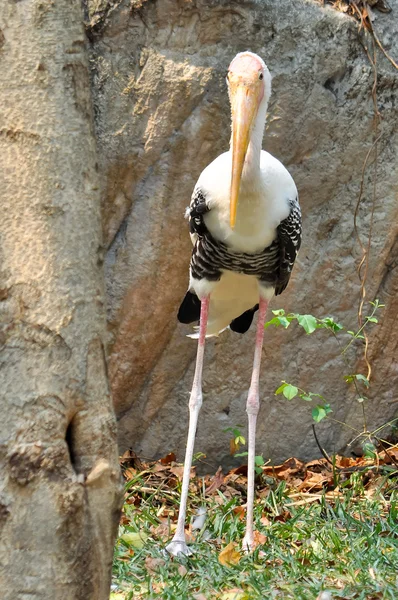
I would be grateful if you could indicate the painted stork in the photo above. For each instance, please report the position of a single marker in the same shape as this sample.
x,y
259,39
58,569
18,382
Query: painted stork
x,y
245,225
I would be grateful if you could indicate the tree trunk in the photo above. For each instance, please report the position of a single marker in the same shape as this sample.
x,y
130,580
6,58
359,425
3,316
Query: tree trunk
x,y
59,478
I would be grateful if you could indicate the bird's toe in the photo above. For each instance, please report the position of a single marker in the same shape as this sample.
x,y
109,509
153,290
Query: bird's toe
x,y
177,547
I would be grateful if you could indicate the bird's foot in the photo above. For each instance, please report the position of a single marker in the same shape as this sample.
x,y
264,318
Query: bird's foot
x,y
177,547
248,544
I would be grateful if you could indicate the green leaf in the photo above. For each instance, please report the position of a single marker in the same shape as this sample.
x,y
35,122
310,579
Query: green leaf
x,y
369,450
278,313
274,321
306,397
283,321
279,320
290,391
372,320
320,411
330,323
307,322
259,460
362,378
280,388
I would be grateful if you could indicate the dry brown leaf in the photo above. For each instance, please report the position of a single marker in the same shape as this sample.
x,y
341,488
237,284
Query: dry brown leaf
x,y
291,466
242,470
239,511
160,531
169,458
233,448
178,471
153,564
182,570
216,482
259,538
315,481
389,456
158,586
265,521
229,556
158,468
129,473
283,517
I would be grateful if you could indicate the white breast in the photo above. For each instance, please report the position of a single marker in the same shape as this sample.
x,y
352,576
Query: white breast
x,y
263,202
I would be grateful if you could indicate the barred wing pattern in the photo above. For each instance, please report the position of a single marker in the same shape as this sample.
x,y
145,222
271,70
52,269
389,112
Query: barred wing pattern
x,y
272,266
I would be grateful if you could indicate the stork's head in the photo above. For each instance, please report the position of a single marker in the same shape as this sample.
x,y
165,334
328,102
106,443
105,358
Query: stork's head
x,y
249,86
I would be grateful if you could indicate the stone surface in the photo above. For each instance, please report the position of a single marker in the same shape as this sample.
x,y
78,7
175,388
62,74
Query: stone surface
x,y
162,116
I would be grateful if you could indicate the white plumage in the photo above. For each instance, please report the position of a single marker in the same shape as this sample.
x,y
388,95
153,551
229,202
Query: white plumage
x,y
263,203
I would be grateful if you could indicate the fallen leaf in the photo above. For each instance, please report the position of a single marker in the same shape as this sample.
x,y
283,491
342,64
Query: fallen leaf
x,y
229,556
216,482
283,517
239,511
265,521
160,531
178,471
259,538
158,586
153,564
291,466
129,473
169,458
158,468
242,470
135,539
182,570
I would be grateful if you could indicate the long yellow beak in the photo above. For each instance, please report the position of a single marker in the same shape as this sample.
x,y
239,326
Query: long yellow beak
x,y
244,101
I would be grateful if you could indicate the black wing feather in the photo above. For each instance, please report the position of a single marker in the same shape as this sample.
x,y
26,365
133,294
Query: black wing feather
x,y
197,208
289,241
242,323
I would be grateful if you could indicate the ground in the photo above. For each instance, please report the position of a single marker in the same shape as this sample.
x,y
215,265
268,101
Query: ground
x,y
323,531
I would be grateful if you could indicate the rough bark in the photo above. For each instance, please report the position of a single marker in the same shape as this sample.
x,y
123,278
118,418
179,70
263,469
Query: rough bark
x,y
162,115
59,478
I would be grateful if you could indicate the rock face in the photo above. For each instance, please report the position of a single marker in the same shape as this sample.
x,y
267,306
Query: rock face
x,y
162,115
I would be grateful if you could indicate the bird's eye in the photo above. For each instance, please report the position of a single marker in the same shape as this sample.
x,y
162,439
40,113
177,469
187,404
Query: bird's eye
x,y
261,77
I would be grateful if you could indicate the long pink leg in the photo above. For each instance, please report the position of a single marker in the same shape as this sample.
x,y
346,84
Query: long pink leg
x,y
252,408
178,544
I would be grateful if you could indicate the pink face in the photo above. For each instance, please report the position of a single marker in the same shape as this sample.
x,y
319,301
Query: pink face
x,y
247,70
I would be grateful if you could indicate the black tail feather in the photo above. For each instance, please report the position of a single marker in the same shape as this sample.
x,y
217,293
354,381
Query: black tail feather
x,y
242,323
189,311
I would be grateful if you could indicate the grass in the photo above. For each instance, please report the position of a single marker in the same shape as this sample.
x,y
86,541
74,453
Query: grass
x,y
342,540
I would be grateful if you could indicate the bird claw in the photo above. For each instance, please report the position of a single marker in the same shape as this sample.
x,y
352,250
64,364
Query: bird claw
x,y
177,547
248,544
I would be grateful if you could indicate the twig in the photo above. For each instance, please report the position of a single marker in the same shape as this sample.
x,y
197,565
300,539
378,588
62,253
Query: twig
x,y
323,452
